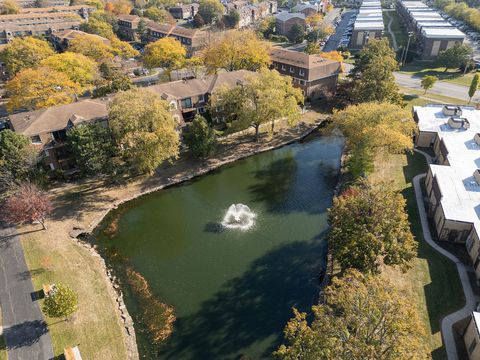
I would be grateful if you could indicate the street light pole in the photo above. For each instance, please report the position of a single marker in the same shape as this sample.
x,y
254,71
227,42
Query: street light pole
x,y
403,60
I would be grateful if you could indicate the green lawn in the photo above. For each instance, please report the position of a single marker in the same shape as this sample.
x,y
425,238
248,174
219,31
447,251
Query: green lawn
x,y
422,68
433,280
397,28
414,97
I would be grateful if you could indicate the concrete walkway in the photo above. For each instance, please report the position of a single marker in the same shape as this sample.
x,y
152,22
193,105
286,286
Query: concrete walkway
x,y
471,301
25,331
389,28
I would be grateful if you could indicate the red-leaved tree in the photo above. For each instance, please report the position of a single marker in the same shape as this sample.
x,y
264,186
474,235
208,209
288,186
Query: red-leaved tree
x,y
27,204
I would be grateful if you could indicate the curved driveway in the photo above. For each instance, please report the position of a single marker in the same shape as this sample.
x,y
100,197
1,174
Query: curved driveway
x,y
24,329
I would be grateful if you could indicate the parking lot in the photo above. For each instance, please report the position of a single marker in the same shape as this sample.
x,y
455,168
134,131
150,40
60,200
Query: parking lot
x,y
343,31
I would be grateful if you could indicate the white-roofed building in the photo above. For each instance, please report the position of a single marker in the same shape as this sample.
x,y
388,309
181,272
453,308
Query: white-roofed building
x,y
453,182
368,24
433,33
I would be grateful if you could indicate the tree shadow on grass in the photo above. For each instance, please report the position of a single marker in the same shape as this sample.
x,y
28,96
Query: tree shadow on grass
x,y
252,308
24,334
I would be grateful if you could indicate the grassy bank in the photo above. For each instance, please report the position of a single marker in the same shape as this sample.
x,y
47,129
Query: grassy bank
x,y
397,27
414,97
421,68
433,280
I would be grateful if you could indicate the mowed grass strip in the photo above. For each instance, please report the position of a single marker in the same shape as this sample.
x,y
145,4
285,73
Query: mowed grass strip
x,y
433,280
53,257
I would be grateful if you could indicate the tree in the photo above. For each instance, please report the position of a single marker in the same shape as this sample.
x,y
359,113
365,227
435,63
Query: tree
x,y
265,97
144,128
210,10
363,317
236,50
142,31
296,33
17,160
118,7
198,20
97,27
158,15
314,20
167,53
312,48
455,57
372,74
9,7
91,46
369,226
113,80
33,89
473,87
92,148
266,27
201,138
62,302
77,67
232,19
122,48
27,204
370,127
22,53
427,82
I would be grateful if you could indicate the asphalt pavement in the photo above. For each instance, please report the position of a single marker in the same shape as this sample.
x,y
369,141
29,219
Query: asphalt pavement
x,y
24,329
336,37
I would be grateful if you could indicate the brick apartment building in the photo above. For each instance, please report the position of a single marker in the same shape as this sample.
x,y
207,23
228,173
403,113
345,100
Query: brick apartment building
x,y
316,76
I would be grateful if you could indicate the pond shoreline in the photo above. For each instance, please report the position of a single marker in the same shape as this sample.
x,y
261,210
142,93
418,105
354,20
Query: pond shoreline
x,y
126,319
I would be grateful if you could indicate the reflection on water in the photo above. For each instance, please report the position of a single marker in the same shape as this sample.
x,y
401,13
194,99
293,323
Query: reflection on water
x,y
232,290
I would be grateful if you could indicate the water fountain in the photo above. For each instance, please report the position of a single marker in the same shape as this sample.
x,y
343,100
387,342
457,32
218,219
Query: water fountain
x,y
239,216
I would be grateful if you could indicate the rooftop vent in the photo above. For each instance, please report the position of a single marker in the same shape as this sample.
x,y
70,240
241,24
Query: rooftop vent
x,y
458,123
476,175
450,110
476,138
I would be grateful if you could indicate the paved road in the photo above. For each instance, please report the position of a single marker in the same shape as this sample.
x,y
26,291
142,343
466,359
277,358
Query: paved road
x,y
334,40
25,331
440,87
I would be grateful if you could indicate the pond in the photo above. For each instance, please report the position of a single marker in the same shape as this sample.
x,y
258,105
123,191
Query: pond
x,y
232,289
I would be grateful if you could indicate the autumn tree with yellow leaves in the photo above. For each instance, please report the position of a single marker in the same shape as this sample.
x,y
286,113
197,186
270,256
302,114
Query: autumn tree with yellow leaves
x,y
27,52
236,50
33,89
167,53
362,317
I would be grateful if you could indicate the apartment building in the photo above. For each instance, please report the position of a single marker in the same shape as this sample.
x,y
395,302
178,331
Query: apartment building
x,y
306,9
61,39
250,13
433,34
368,24
285,21
183,11
47,128
471,336
192,39
42,21
315,76
33,3
128,26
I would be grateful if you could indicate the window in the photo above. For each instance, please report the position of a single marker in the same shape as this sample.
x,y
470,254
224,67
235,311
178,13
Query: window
x,y
36,139
201,110
292,69
201,98
173,105
284,67
472,346
470,243
186,103
301,72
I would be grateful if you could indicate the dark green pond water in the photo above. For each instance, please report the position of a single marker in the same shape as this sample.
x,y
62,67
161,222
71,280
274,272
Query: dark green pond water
x,y
233,290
